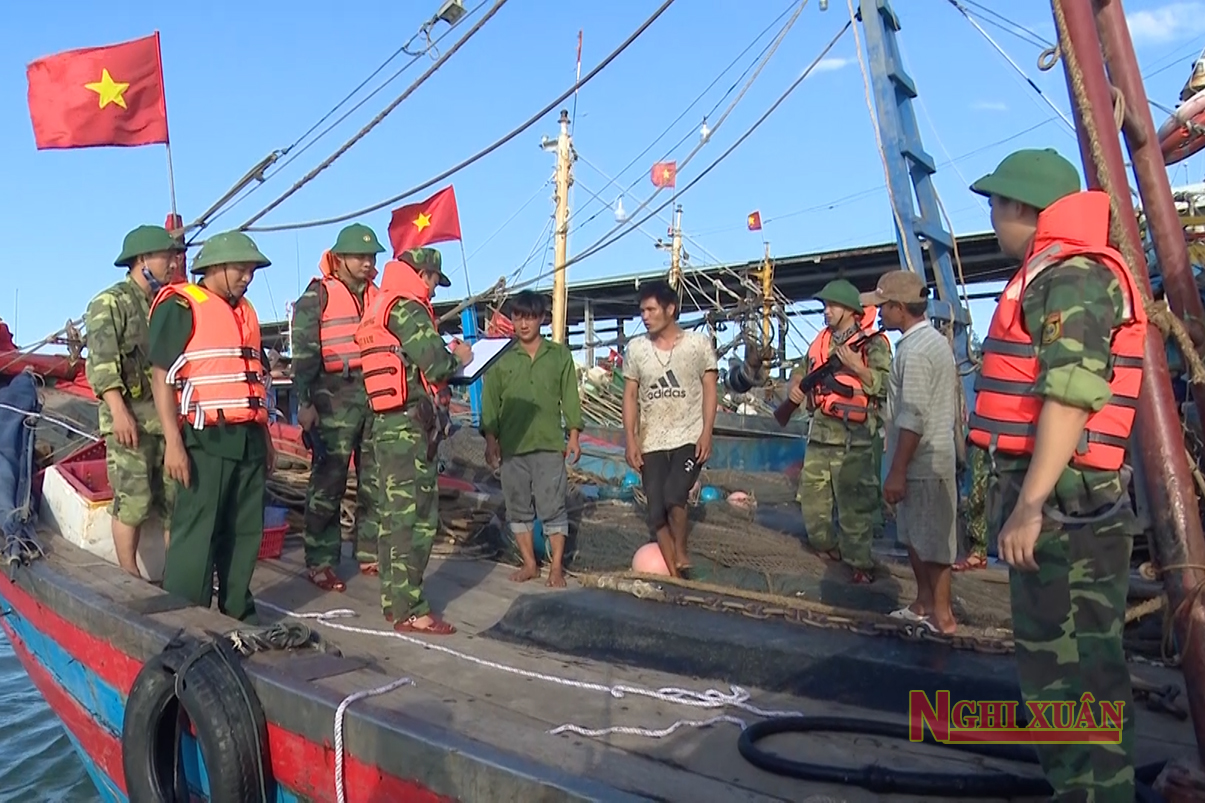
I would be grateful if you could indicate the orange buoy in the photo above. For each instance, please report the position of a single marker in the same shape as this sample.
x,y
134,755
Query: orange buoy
x,y
1183,133
648,560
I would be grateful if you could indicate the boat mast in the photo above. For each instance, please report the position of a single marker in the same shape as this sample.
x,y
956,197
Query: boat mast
x,y
767,299
675,253
564,179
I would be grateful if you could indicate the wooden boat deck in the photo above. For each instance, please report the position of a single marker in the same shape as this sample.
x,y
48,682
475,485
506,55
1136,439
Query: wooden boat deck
x,y
482,728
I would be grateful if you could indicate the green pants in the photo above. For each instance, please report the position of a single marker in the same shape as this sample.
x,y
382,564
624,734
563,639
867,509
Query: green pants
x,y
404,484
844,479
1067,626
341,431
217,523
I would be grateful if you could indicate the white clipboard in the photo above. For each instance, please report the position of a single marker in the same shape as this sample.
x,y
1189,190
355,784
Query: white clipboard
x,y
486,352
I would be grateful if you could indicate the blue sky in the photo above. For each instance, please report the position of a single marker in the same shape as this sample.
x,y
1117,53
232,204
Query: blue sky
x,y
244,79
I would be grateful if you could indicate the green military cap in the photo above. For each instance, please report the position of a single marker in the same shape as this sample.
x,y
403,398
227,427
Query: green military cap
x,y
229,248
426,260
1036,177
357,239
145,240
840,291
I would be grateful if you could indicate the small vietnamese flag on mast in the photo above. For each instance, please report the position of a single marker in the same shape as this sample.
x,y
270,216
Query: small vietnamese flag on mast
x,y
99,96
434,220
755,221
664,174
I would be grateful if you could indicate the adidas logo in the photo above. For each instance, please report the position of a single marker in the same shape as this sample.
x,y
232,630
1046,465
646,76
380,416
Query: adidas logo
x,y
667,387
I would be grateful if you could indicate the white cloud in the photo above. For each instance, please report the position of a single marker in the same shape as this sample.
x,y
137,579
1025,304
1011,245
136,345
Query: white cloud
x,y
1166,23
989,106
830,63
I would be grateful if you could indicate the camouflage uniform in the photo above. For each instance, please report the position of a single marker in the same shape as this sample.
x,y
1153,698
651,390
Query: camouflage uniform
x,y
841,466
118,359
342,407
404,481
1068,616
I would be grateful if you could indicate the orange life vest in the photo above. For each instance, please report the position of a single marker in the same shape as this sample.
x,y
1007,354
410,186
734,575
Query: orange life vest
x,y
383,358
852,410
341,317
1006,409
219,376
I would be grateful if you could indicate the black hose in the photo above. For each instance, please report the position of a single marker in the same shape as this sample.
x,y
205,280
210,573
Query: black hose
x,y
883,780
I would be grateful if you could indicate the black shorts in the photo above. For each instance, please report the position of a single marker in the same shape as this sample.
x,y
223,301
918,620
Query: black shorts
x,y
667,477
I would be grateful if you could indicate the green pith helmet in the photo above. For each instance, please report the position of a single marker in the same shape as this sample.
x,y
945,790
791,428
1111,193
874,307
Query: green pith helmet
x,y
426,260
1035,177
145,240
357,239
229,248
840,291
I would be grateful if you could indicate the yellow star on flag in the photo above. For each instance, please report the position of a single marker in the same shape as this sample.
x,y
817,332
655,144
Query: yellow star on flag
x,y
665,173
108,90
422,221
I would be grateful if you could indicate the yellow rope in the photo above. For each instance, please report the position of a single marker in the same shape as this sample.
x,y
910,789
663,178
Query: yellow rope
x,y
1158,312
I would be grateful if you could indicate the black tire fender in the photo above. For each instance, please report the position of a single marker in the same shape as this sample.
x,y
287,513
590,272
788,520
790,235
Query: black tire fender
x,y
206,686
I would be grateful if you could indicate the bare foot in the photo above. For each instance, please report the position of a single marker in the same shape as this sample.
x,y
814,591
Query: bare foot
x,y
529,572
556,578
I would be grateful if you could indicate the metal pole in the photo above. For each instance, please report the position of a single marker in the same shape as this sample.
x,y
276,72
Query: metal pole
x,y
468,328
1176,521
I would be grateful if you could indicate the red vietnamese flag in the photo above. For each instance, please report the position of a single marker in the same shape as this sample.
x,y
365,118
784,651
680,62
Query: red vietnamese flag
x,y
665,174
99,96
755,221
434,220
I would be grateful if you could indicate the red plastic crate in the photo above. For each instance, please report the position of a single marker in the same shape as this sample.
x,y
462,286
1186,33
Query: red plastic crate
x,y
274,542
90,478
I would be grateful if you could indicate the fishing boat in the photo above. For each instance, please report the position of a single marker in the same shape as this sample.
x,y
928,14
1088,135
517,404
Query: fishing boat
x,y
627,686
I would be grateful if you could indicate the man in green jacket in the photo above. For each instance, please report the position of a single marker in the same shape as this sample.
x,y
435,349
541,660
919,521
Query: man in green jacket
x,y
211,396
118,368
525,396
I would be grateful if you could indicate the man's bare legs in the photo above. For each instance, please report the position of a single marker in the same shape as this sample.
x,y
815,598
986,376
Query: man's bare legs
x,y
942,611
125,543
923,605
556,574
665,541
530,569
677,528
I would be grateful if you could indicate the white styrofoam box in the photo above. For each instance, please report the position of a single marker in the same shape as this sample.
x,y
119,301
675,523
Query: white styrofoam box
x,y
88,525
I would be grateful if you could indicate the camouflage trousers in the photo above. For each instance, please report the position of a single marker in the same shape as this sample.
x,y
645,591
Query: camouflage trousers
x,y
975,512
1067,626
139,484
406,500
341,431
844,480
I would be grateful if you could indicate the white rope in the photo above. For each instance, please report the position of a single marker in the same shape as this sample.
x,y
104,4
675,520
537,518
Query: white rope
x,y
339,712
736,697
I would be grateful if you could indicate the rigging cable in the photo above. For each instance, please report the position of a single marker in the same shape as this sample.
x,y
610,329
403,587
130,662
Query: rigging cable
x,y
599,245
692,104
363,132
962,10
482,153
769,53
397,73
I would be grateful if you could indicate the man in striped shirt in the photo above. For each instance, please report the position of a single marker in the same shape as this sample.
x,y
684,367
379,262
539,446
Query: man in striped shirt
x,y
922,409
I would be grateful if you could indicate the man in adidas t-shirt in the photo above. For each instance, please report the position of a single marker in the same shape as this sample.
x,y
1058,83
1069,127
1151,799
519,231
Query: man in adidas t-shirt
x,y
669,408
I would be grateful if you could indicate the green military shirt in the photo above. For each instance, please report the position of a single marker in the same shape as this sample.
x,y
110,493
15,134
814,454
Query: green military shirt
x,y
524,398
1070,312
170,329
833,431
424,348
119,353
309,375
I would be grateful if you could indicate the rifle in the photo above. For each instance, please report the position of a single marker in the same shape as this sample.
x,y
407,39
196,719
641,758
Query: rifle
x,y
822,376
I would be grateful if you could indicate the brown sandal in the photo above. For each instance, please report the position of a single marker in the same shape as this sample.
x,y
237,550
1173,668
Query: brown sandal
x,y
970,563
438,627
862,577
370,568
327,580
